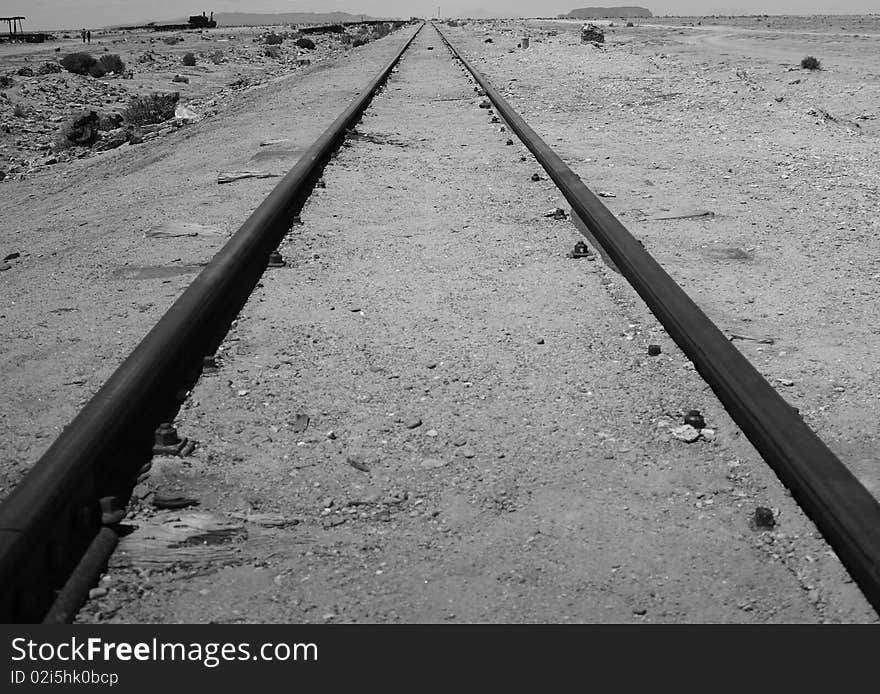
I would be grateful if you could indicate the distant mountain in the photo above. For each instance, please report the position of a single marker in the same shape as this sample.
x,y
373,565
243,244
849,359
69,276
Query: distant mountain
x,y
597,12
254,19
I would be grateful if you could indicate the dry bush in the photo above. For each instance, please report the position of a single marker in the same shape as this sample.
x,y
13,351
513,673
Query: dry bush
x,y
172,40
97,70
217,57
154,108
78,63
20,111
6,81
811,63
112,63
273,51
359,41
305,43
189,59
273,39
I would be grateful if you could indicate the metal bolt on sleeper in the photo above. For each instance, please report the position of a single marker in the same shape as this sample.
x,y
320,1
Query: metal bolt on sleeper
x,y
695,419
276,259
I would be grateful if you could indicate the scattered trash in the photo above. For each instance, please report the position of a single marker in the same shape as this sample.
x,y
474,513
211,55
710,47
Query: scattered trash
x,y
231,176
556,213
185,114
590,33
685,433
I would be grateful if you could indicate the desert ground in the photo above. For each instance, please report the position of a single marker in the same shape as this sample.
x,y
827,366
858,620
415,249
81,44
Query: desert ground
x,y
432,414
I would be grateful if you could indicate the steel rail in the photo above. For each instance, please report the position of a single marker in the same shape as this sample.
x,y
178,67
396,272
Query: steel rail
x,y
51,517
844,511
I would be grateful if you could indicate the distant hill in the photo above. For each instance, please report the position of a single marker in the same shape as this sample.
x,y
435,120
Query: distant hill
x,y
253,19
597,12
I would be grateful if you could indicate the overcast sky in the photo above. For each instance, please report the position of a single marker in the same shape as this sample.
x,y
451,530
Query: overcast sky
x,y
52,14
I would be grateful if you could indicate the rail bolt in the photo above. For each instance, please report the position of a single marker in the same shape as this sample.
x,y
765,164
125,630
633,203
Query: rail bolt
x,y
695,419
167,442
581,250
276,259
654,350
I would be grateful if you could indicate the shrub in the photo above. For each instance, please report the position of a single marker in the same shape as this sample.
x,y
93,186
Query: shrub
x,y
273,39
171,40
20,111
154,108
112,63
6,81
189,59
811,63
305,43
97,70
273,51
359,41
78,63
217,57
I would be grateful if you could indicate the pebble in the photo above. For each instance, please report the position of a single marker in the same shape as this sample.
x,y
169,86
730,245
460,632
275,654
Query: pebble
x,y
99,592
431,432
5,266
466,452
357,462
540,340
434,463
708,434
685,433
461,441
413,423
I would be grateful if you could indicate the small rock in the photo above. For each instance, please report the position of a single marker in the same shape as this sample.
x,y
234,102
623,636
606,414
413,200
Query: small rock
x,y
707,434
432,365
606,194
301,423
5,266
431,432
331,435
99,592
180,78
654,350
540,340
640,611
785,382
413,423
434,463
536,177
685,433
466,452
763,518
461,441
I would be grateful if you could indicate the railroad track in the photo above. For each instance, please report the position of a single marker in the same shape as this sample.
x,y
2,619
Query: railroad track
x,y
60,525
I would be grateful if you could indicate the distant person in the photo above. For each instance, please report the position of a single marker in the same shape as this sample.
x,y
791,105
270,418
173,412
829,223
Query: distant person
x,y
89,36
83,34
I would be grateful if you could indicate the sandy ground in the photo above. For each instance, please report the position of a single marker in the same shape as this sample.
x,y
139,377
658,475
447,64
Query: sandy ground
x,y
432,414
